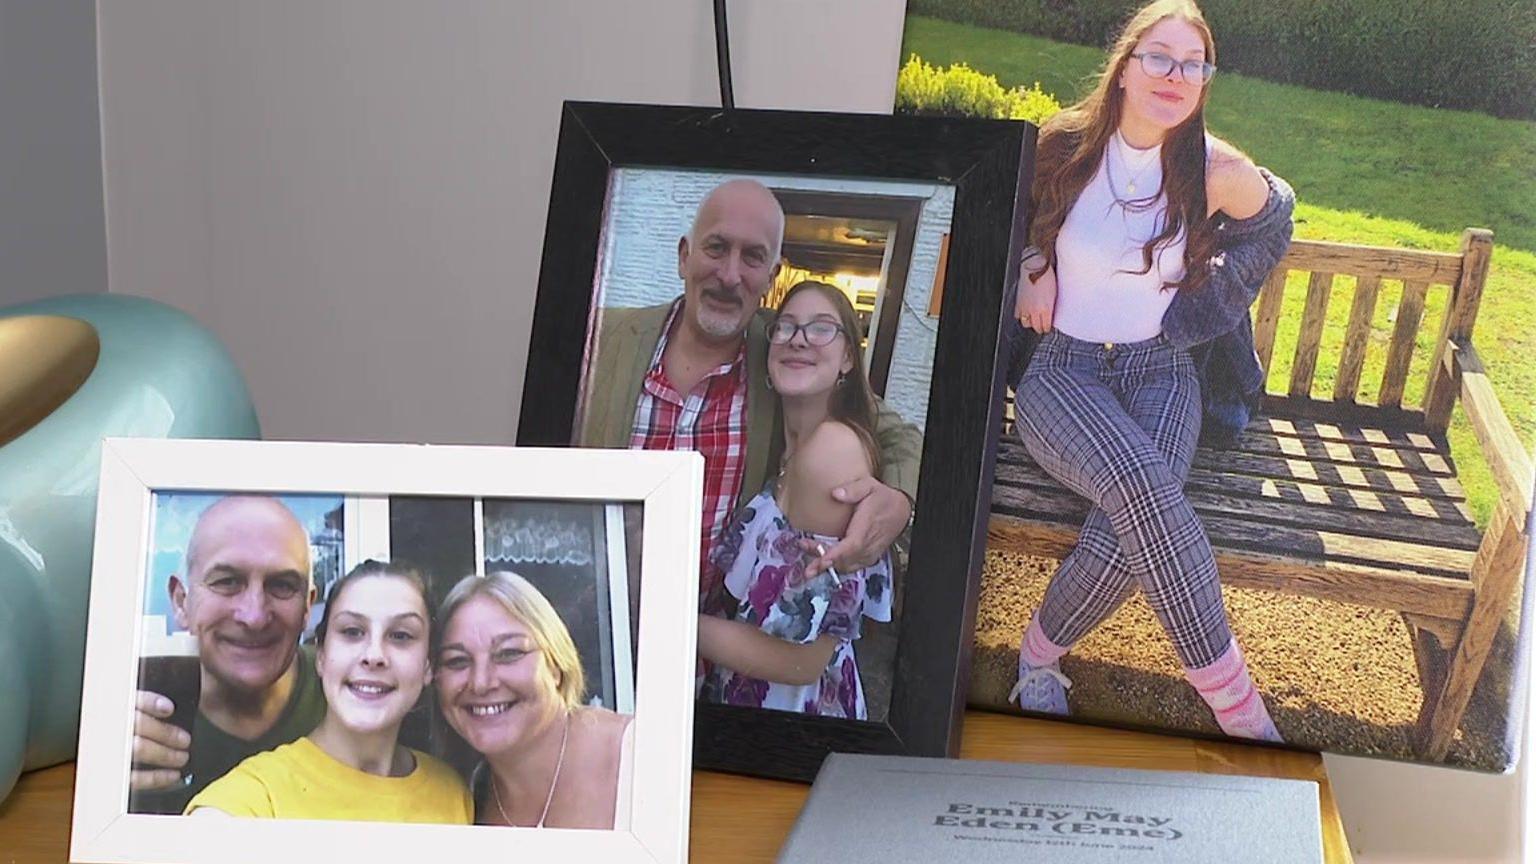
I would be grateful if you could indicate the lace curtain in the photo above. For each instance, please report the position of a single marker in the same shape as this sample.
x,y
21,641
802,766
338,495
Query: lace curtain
x,y
523,533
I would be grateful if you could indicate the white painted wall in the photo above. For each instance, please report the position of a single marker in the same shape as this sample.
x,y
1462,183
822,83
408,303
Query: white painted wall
x,y
52,229
352,195
1395,813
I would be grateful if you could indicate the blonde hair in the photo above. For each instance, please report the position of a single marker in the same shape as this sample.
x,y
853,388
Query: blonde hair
x,y
532,609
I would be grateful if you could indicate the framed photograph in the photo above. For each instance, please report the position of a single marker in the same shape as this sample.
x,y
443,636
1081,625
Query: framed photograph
x,y
767,287
288,639
1367,500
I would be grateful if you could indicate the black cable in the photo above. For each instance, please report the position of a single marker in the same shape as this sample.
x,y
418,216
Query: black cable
x,y
723,57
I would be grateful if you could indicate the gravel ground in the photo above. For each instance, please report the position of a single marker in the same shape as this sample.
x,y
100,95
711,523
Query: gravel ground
x,y
1336,677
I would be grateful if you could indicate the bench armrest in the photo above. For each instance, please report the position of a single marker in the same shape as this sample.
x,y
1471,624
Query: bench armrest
x,y
1507,457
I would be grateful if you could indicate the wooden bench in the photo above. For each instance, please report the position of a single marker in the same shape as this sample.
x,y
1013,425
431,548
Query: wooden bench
x,y
1334,498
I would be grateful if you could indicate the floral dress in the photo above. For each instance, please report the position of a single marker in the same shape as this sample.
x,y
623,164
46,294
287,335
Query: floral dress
x,y
764,566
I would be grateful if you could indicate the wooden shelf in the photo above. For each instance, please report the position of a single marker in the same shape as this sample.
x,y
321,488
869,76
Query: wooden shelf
x,y
743,819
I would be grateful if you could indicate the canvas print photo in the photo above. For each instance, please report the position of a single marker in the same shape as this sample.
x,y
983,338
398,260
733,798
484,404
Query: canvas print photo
x,y
813,303
1267,469
411,659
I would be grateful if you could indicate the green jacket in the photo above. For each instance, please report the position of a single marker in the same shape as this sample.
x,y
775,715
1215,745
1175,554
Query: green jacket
x,y
622,356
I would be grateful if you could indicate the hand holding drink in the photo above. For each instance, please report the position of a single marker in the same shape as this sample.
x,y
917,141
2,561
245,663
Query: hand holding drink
x,y
165,708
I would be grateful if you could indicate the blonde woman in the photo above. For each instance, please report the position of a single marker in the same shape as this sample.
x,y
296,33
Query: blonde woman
x,y
510,683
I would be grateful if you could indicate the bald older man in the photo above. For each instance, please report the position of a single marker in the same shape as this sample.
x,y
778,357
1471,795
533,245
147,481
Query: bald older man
x,y
244,594
691,374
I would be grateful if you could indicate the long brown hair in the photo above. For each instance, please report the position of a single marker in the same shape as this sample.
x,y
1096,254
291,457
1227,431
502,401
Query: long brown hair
x,y
853,400
1072,142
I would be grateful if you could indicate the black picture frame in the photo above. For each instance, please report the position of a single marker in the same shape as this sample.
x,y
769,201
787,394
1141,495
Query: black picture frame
x,y
990,165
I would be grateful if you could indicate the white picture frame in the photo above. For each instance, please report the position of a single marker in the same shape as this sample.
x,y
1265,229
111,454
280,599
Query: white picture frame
x,y
668,485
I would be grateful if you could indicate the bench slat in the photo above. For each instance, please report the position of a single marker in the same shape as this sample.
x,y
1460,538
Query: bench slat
x,y
1411,460
1376,436
1267,318
1444,488
1356,338
1311,337
1319,547
1313,508
1440,268
1329,411
1410,311
1460,316
1289,418
1343,581
1506,457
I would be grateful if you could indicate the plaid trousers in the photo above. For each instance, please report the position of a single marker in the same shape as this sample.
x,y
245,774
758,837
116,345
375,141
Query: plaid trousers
x,y
1118,425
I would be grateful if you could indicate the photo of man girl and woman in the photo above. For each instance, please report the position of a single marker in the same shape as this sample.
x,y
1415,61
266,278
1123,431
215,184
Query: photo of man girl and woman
x,y
403,659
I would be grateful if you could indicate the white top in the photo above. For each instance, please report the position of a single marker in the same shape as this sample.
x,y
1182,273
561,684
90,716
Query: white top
x,y
1101,295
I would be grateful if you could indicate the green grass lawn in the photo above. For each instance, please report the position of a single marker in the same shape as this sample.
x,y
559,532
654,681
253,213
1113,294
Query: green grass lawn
x,y
1365,171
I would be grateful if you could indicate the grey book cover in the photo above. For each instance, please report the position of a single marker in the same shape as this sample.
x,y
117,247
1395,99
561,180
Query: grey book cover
x,y
897,809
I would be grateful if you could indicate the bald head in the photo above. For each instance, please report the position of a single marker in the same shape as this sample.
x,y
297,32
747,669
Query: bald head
x,y
246,514
728,260
243,594
745,199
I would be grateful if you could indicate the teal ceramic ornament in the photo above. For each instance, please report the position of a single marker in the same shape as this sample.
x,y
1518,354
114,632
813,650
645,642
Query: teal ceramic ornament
x,y
74,370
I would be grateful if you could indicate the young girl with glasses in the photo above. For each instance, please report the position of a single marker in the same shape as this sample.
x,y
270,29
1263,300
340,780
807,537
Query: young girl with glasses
x,y
790,644
1149,241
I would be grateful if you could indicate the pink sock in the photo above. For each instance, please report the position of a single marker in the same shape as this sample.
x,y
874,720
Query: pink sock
x,y
1227,688
1036,649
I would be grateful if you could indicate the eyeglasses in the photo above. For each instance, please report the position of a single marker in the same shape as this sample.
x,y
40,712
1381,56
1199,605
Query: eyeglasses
x,y
1158,65
817,333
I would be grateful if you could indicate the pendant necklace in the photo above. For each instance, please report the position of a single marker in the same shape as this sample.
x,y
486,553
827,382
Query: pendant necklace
x,y
1119,147
554,781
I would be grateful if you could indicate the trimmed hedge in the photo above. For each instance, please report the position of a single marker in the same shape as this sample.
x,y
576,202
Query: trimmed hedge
x,y
959,90
1477,55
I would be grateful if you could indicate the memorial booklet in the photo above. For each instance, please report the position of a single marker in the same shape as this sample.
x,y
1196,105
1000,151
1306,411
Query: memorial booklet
x,y
897,809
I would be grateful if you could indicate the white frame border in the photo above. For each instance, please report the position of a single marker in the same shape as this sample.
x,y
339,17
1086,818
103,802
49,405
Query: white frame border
x,y
668,483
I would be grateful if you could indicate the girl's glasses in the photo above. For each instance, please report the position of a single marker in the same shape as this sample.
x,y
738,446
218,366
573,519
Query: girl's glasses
x,y
817,333
1158,65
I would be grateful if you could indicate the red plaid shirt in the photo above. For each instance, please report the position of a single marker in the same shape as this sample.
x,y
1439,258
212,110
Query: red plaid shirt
x,y
712,419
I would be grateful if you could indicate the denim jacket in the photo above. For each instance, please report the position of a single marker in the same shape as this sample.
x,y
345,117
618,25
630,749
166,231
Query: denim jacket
x,y
1212,321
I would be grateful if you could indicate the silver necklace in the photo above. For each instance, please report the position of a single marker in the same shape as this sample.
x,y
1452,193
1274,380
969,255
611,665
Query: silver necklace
x,y
553,782
1118,145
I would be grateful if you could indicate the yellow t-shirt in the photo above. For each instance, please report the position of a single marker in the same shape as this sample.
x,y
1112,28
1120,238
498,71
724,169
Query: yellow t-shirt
x,y
301,781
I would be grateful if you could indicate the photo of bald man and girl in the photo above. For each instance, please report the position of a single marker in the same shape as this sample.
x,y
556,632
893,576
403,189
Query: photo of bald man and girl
x,y
785,328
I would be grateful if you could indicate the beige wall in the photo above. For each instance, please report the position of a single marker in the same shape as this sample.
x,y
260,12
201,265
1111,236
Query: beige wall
x,y
52,235
352,195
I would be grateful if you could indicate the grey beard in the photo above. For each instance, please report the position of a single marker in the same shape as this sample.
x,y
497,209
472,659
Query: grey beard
x,y
717,327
